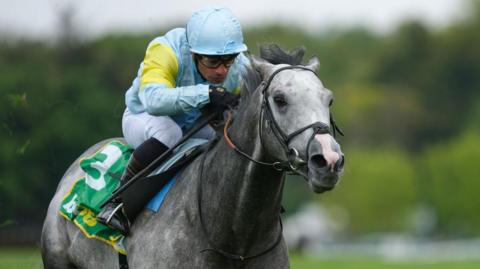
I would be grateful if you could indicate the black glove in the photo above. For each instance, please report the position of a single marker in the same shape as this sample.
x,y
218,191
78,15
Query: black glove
x,y
221,98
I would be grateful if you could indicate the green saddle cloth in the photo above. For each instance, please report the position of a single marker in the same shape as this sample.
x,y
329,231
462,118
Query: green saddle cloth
x,y
102,176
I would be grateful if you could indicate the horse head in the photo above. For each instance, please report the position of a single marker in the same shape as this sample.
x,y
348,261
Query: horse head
x,y
296,122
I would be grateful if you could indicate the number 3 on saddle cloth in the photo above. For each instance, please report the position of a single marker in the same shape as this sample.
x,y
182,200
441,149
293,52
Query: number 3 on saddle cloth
x,y
102,173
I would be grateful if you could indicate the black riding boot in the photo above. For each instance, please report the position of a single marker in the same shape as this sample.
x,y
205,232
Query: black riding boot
x,y
113,214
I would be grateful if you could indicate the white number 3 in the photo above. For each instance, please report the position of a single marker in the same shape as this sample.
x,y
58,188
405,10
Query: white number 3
x,y
113,153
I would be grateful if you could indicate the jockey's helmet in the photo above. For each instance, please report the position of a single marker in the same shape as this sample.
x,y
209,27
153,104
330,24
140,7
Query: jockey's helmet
x,y
215,31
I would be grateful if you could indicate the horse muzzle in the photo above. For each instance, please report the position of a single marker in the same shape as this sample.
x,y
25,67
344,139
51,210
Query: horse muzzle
x,y
325,163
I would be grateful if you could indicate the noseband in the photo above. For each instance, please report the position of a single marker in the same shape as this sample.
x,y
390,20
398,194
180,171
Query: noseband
x,y
293,162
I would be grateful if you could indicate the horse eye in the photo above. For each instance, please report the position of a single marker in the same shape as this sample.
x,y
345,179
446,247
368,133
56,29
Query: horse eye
x,y
280,101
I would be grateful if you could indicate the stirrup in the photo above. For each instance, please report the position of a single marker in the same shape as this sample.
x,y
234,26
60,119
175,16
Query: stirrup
x,y
114,211
114,218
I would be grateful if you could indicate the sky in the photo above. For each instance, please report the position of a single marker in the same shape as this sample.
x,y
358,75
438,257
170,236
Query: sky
x,y
39,19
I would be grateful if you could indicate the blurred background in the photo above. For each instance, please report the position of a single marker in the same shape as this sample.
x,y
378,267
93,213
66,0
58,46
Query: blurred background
x,y
406,79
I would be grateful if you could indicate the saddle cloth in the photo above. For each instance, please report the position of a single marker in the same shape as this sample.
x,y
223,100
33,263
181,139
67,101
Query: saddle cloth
x,y
83,201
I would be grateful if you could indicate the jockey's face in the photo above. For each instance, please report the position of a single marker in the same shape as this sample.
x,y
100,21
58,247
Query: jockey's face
x,y
214,68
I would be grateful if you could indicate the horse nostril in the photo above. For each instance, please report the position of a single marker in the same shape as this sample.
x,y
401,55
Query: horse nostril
x,y
340,163
319,160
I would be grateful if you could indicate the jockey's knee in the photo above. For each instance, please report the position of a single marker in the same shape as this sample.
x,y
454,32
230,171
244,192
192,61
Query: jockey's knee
x,y
137,128
169,133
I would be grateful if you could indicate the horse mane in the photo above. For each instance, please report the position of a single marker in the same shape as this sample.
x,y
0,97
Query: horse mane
x,y
273,54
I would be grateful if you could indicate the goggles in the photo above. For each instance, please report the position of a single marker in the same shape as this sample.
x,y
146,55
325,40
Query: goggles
x,y
214,61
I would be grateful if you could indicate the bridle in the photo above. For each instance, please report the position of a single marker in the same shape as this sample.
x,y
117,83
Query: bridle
x,y
292,164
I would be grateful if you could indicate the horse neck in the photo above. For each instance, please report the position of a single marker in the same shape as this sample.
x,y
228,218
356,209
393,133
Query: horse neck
x,y
241,199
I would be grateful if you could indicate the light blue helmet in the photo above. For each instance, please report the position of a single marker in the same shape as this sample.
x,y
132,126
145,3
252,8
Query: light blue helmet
x,y
215,31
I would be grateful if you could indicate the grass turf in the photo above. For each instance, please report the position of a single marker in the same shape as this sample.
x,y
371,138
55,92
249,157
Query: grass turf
x,y
18,258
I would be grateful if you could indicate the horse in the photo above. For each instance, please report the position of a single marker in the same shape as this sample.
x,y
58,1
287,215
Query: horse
x,y
224,209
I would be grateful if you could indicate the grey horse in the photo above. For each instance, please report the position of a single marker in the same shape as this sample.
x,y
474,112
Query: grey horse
x,y
223,211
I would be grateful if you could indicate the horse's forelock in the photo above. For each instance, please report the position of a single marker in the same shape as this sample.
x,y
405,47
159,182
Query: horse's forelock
x,y
276,55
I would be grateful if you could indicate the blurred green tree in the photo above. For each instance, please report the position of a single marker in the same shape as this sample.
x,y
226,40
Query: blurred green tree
x,y
378,190
452,183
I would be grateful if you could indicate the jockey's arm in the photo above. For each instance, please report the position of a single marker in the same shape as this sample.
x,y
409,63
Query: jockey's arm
x,y
158,92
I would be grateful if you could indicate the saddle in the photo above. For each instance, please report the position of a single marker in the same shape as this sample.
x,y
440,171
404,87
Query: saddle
x,y
157,185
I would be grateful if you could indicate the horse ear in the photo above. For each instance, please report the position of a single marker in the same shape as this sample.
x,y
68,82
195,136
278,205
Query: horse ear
x,y
313,63
261,65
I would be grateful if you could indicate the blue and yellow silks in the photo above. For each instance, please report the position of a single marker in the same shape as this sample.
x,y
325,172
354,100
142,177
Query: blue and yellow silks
x,y
169,84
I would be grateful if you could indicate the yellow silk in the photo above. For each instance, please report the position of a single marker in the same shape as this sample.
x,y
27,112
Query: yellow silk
x,y
160,66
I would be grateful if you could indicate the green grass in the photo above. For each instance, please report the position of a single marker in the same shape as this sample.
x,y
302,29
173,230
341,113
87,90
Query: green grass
x,y
20,258
12,258
302,262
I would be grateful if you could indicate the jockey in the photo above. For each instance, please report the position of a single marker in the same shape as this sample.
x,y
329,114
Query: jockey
x,y
183,71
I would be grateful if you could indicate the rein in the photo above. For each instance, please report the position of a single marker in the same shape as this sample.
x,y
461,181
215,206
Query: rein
x,y
275,165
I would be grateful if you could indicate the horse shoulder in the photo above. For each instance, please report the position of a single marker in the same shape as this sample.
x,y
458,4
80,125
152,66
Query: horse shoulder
x,y
169,238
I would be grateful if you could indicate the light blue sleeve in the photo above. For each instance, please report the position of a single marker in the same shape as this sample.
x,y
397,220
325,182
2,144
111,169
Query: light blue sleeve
x,y
159,100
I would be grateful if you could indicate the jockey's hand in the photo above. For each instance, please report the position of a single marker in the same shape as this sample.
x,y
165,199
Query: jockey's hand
x,y
217,122
221,98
